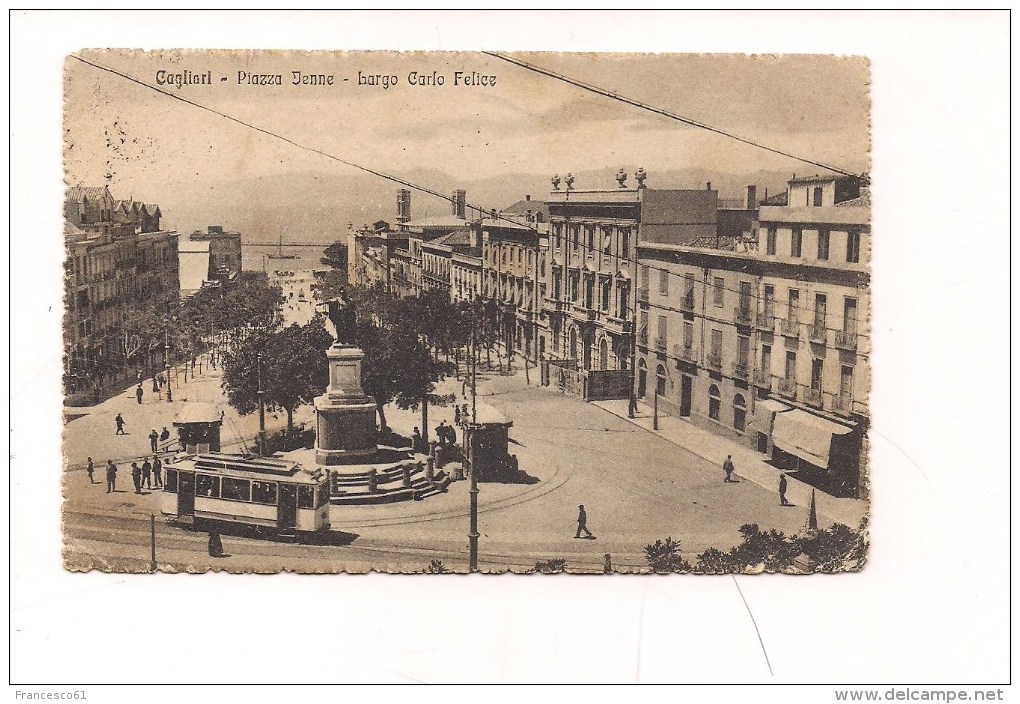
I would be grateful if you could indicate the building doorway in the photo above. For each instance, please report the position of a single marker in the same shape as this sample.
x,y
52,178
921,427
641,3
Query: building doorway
x,y
642,379
685,395
603,354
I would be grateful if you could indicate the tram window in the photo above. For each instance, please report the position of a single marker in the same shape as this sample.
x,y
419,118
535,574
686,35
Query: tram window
x,y
323,497
263,492
306,497
207,486
236,489
170,484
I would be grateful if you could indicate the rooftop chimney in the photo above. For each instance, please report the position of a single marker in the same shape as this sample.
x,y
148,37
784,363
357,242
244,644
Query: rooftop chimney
x,y
527,197
708,185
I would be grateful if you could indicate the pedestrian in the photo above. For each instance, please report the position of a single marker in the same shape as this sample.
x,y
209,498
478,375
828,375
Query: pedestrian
x,y
416,440
456,415
165,435
155,386
119,420
157,471
441,432
90,468
111,476
215,545
146,474
139,377
153,439
582,523
136,477
139,392
451,435
782,490
162,380
728,468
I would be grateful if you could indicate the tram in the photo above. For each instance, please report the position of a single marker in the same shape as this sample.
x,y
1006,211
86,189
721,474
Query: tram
x,y
268,494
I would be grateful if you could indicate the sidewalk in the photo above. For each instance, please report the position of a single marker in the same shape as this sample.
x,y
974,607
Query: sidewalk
x,y
750,465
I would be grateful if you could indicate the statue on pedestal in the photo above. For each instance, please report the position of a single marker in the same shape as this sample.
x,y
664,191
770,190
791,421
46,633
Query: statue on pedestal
x,y
341,314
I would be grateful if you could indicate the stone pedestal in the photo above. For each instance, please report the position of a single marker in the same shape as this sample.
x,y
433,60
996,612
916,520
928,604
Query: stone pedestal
x,y
345,416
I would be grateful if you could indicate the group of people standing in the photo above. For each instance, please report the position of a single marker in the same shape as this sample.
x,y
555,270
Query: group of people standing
x,y
149,473
158,382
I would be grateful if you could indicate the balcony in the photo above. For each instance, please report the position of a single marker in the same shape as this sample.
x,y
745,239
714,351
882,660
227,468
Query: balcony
x,y
742,316
687,304
817,333
813,397
790,328
788,388
685,353
763,379
660,344
615,324
740,371
642,294
765,321
714,361
642,336
553,305
842,405
846,340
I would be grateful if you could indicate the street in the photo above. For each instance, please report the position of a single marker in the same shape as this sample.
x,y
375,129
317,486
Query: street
x,y
576,452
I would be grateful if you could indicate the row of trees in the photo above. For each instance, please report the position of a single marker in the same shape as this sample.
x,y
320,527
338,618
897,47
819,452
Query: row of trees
x,y
836,549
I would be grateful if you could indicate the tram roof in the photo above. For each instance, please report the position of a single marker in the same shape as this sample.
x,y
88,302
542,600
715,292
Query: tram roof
x,y
252,467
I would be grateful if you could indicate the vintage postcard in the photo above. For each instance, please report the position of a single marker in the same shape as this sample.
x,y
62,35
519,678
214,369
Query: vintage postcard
x,y
466,312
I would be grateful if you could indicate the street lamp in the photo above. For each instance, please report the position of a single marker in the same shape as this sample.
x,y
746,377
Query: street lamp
x,y
472,468
262,410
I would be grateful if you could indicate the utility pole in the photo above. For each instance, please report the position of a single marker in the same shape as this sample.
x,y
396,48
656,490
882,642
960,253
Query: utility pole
x,y
166,362
472,470
655,416
262,410
152,541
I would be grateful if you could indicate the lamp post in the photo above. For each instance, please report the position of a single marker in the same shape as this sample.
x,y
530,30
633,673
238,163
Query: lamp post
x,y
262,409
166,362
472,468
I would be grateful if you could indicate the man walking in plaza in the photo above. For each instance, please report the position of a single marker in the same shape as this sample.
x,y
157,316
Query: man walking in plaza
x,y
111,476
165,435
157,471
139,392
582,524
119,420
782,490
146,474
136,477
90,468
153,439
728,468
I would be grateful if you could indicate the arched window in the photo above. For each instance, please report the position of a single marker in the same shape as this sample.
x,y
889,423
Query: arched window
x,y
739,412
713,402
660,380
642,383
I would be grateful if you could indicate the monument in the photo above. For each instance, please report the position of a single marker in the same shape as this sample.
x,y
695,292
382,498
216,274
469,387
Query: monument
x,y
345,416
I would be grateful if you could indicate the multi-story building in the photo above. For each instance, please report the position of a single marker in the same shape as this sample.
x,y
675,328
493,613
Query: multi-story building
x,y
767,343
224,252
118,262
593,250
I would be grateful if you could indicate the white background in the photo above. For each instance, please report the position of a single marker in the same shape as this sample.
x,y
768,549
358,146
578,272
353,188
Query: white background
x,y
932,604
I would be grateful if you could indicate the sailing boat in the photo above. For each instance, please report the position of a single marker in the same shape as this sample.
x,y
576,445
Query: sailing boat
x,y
279,251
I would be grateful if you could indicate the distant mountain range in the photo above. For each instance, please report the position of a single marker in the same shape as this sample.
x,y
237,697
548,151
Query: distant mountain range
x,y
316,206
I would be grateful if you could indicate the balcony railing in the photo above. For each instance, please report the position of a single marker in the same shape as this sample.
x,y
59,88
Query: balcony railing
x,y
762,379
687,303
660,344
642,294
740,371
714,361
742,316
846,340
817,332
791,328
642,336
788,387
765,321
686,353
842,405
813,397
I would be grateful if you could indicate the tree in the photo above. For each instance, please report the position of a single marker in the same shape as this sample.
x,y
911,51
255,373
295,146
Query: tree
x,y
294,368
664,557
335,256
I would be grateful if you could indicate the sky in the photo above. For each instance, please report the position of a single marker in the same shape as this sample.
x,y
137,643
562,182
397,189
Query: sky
x,y
143,143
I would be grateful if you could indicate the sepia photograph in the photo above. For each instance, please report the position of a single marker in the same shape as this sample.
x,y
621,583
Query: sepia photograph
x,y
509,347
466,312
